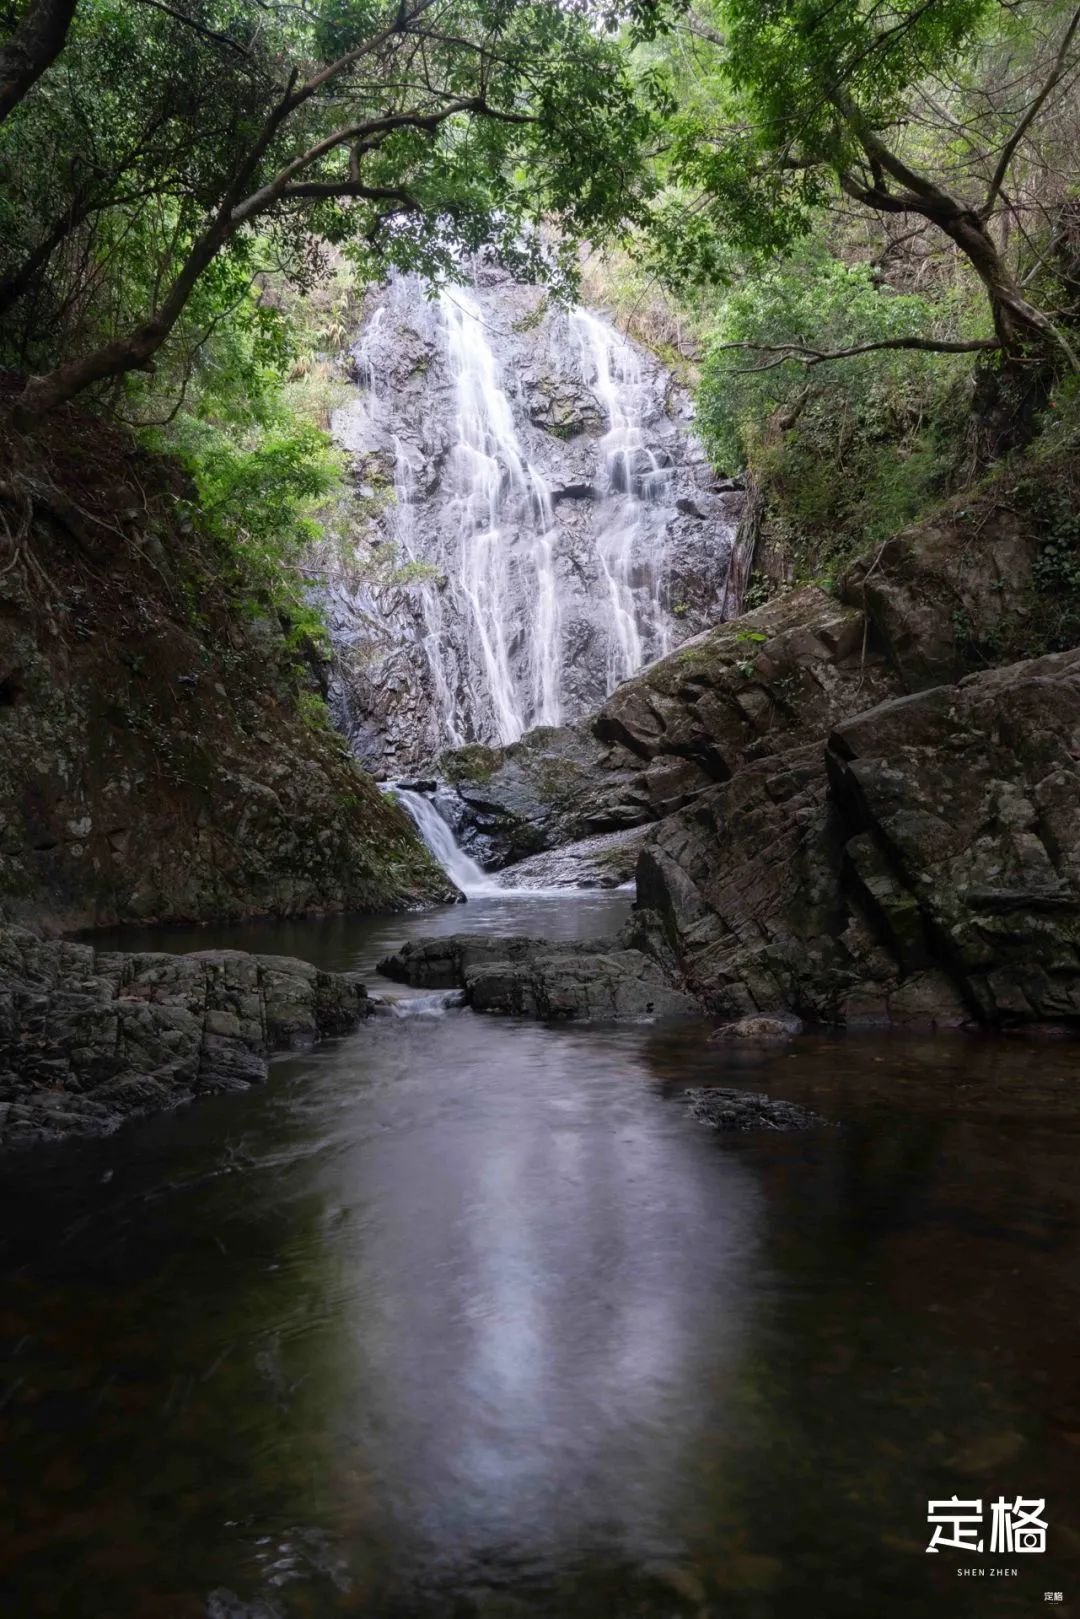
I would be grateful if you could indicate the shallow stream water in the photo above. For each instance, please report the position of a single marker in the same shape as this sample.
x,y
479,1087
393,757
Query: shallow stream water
x,y
462,1316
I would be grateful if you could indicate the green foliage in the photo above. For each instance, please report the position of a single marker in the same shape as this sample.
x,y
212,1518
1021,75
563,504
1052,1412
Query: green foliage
x,y
1056,569
159,166
818,301
265,474
849,451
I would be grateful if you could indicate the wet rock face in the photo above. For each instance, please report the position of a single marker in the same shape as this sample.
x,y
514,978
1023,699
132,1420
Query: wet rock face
x,y
738,692
922,869
594,980
534,520
89,1038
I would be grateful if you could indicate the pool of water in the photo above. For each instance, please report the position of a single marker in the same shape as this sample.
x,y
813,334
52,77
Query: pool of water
x,y
469,1317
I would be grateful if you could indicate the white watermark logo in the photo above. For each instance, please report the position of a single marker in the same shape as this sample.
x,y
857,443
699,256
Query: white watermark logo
x,y
1015,1526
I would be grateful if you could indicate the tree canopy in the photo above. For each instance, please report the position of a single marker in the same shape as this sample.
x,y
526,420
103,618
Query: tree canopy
x,y
958,115
173,148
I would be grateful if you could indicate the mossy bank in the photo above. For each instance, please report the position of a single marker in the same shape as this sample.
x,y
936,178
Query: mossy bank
x,y
164,750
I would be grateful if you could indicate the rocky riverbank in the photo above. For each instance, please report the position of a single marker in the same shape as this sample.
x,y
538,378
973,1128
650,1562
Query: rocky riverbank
x,y
847,816
90,1038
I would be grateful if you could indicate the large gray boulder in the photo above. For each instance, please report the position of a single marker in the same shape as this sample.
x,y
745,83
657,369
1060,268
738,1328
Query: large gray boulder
x,y
747,689
923,869
89,1038
594,980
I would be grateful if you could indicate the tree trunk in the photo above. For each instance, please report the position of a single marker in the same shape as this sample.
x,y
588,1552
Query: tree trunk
x,y
1016,321
33,47
19,281
134,351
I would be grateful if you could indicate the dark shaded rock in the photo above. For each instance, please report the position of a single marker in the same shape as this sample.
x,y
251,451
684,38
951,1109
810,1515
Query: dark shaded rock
x,y
591,980
939,605
923,871
724,1109
89,1038
160,756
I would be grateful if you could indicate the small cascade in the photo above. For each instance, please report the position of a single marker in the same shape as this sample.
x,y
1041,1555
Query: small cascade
x,y
461,870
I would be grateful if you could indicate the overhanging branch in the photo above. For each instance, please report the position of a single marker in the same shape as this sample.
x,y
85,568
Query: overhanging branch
x,y
801,354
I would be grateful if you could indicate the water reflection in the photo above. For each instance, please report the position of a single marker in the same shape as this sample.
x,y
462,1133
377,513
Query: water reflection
x,y
468,1317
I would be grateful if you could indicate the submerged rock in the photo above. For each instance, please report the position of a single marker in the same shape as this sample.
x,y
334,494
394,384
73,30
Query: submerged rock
x,y
89,1038
763,1030
598,980
724,1109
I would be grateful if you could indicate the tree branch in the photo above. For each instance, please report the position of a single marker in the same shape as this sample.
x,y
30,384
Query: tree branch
x,y
1008,152
198,27
801,354
34,46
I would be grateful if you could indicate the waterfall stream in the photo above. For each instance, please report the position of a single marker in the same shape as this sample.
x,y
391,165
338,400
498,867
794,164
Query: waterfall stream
x,y
458,866
505,518
534,522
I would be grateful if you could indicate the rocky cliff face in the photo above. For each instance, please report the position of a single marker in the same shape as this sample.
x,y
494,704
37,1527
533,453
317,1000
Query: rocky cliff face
x,y
158,756
847,816
923,867
534,521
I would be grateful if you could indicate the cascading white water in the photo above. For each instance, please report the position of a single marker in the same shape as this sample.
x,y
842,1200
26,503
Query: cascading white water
x,y
505,523
552,500
461,870
633,479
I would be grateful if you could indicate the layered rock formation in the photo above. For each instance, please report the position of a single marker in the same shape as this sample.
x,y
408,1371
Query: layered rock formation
x,y
570,980
742,690
830,831
89,1038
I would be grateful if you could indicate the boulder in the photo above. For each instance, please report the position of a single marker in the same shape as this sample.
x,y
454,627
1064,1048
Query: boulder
x,y
608,860
89,1038
583,980
922,870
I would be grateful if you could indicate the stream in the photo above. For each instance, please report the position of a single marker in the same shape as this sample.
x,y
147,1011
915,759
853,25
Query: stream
x,y
461,1316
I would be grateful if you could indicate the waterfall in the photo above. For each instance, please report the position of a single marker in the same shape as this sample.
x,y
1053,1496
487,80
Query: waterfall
x,y
505,520
633,479
551,515
461,870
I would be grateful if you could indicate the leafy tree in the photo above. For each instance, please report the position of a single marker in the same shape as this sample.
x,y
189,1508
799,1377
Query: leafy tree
x,y
32,46
407,134
844,309
899,107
